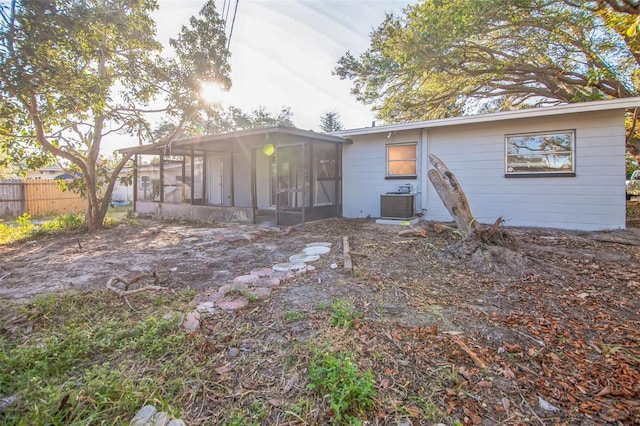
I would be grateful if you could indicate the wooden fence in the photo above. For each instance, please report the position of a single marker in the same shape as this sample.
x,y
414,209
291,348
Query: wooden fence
x,y
37,197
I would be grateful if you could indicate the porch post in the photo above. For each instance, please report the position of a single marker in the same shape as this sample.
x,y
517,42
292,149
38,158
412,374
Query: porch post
x,y
162,177
135,181
254,204
193,177
232,195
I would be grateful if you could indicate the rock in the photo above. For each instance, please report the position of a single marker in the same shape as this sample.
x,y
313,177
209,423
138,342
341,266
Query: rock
x,y
143,415
233,352
192,322
245,279
233,304
311,268
334,266
176,422
159,419
205,306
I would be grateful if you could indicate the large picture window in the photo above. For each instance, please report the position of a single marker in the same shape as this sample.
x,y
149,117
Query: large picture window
x,y
542,154
401,160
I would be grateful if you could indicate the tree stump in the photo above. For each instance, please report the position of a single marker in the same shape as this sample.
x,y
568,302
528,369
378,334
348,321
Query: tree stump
x,y
485,248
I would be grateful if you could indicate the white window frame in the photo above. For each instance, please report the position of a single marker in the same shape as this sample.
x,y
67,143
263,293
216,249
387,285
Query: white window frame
x,y
510,172
388,162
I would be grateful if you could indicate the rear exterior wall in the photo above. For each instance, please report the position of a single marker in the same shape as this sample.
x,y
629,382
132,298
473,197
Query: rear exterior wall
x,y
475,153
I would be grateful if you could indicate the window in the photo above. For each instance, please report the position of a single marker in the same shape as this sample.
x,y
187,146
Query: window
x,y
401,160
542,154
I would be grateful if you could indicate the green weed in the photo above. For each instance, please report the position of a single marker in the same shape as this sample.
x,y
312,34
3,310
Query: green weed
x,y
343,313
293,316
337,378
90,360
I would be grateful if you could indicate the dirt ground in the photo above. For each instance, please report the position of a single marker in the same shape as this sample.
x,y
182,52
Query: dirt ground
x,y
559,343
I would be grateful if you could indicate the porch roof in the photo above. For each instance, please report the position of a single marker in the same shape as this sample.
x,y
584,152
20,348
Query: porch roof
x,y
182,146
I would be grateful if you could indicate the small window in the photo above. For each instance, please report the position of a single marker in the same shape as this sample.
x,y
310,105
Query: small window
x,y
540,154
401,160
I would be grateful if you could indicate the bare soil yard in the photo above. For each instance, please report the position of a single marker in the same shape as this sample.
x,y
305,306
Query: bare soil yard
x,y
558,343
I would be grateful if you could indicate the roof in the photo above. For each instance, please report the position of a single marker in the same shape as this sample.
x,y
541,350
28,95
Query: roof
x,y
624,103
239,134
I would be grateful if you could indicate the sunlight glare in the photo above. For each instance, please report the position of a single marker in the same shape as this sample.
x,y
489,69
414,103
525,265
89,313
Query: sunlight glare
x,y
212,93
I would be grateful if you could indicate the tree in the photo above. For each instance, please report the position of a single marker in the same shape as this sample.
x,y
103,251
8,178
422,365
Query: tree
x,y
444,58
220,120
330,122
73,72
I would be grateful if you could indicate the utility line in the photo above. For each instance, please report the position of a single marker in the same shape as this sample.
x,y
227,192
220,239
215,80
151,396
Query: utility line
x,y
233,21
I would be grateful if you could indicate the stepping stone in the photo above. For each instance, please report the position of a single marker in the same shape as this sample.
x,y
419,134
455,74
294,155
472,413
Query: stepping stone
x,y
319,244
264,272
245,279
303,258
317,250
267,282
289,266
233,287
283,276
209,297
233,304
261,293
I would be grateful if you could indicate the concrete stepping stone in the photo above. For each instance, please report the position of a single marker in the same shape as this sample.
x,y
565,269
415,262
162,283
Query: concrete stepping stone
x,y
233,303
317,250
289,266
320,244
303,258
245,279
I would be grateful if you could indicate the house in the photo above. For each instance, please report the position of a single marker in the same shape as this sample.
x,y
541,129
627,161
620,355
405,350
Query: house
x,y
558,167
279,175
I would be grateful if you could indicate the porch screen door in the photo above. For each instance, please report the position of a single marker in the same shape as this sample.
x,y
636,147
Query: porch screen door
x,y
214,180
290,185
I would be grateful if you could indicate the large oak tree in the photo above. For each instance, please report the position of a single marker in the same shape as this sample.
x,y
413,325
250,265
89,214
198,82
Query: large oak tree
x,y
73,72
443,58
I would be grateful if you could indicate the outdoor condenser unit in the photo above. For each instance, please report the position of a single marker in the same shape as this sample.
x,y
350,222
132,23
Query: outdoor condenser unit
x,y
399,204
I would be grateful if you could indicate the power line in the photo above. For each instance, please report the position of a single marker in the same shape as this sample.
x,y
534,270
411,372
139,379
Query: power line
x,y
233,21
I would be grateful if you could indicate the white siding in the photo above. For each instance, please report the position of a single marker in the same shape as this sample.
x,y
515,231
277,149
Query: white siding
x,y
364,170
593,199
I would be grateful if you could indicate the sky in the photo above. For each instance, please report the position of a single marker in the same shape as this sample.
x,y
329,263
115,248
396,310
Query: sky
x,y
284,51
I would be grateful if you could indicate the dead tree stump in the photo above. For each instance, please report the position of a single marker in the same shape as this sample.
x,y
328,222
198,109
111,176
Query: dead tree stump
x,y
485,248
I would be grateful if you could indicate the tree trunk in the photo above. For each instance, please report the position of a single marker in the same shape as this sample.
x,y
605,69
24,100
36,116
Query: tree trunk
x,y
452,195
485,248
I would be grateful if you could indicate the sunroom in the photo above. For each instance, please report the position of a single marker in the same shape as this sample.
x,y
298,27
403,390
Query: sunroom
x,y
274,175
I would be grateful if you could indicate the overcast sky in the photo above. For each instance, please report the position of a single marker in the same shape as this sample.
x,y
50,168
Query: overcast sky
x,y
283,52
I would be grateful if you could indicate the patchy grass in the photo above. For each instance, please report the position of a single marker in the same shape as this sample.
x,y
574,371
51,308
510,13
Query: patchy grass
x,y
89,359
24,228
